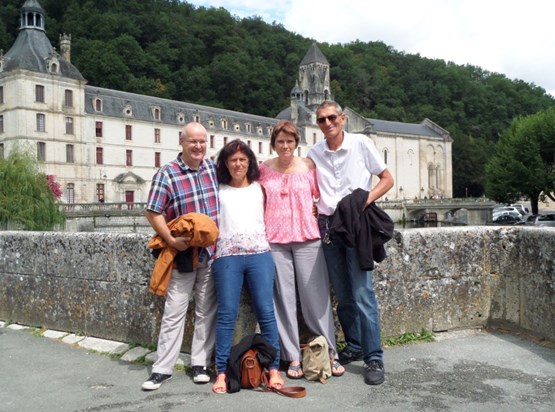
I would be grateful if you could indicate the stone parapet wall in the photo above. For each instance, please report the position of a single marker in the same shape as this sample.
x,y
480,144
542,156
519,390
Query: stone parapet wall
x,y
437,279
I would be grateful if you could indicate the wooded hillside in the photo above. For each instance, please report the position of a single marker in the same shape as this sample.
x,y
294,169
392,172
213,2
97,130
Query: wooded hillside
x,y
172,49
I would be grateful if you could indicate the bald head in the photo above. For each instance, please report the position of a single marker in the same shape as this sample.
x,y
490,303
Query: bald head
x,y
193,142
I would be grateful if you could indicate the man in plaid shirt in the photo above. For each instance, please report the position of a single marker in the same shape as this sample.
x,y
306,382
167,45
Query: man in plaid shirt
x,y
186,184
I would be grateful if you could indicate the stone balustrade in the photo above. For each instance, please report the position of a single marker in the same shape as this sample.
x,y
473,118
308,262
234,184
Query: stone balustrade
x,y
437,279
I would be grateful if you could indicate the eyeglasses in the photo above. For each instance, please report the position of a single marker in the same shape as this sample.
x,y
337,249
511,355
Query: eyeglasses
x,y
195,142
332,118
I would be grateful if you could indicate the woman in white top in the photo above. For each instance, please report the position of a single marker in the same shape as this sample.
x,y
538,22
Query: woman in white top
x,y
242,253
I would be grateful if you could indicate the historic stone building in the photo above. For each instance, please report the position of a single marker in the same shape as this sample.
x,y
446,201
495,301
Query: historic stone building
x,y
105,145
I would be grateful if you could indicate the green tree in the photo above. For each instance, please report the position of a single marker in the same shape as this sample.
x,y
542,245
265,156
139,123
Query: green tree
x,y
523,164
26,195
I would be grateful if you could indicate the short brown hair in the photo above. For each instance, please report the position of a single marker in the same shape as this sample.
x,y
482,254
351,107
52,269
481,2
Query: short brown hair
x,y
287,127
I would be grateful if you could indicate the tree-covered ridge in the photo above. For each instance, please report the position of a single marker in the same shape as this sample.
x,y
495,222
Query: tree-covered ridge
x,y
172,49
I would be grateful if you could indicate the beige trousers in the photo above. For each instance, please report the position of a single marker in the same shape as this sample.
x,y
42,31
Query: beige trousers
x,y
179,294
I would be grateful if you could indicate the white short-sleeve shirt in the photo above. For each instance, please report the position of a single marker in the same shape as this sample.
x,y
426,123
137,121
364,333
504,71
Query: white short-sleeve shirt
x,y
342,171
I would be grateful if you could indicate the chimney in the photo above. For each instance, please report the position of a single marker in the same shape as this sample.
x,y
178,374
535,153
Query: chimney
x,y
65,47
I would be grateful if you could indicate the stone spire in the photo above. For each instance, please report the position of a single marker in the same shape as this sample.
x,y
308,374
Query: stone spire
x,y
314,77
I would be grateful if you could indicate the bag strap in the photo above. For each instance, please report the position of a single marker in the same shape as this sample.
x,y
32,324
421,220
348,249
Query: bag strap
x,y
291,391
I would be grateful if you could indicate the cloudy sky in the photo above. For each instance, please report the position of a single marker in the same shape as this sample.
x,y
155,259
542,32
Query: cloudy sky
x,y
516,38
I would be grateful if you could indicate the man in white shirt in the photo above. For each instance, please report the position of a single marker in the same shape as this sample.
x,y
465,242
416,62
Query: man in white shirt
x,y
345,162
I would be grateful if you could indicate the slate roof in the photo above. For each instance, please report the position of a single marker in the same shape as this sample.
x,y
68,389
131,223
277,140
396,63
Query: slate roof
x,y
417,129
314,55
32,47
115,101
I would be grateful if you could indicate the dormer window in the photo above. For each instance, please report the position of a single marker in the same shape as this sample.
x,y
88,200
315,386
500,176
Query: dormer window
x,y
181,117
224,124
197,118
156,113
248,127
52,63
128,110
97,102
237,127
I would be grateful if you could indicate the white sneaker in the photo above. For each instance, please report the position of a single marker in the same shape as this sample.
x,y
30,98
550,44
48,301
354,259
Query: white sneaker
x,y
200,374
155,381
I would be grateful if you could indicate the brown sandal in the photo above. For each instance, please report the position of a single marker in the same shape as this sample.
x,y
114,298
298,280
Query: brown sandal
x,y
336,368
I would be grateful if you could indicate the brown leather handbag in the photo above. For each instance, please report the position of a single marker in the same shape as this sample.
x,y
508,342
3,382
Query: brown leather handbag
x,y
254,377
252,374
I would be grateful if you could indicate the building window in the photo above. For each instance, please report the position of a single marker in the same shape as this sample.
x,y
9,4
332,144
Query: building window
x,y
156,159
1,94
197,118
98,105
180,133
224,124
129,198
156,135
39,93
249,144
259,147
248,126
225,140
385,156
156,113
299,151
98,128
70,193
41,122
100,194
41,151
313,138
129,157
128,132
237,127
99,156
212,141
69,153
1,123
1,151
68,98
69,125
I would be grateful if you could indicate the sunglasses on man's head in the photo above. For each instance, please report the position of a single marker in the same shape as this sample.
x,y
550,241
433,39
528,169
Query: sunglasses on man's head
x,y
331,118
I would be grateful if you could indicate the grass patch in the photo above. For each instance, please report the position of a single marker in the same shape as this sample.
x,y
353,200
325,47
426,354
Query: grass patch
x,y
410,337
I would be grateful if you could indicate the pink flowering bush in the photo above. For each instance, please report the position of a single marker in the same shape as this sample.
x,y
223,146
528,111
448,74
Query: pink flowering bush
x,y
54,186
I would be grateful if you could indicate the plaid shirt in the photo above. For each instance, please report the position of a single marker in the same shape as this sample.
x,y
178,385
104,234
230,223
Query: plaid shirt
x,y
177,190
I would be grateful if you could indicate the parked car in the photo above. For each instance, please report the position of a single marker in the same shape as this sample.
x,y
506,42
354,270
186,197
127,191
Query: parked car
x,y
507,212
547,219
506,209
521,208
507,219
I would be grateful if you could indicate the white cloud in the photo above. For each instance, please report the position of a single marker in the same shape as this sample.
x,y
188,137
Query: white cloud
x,y
511,37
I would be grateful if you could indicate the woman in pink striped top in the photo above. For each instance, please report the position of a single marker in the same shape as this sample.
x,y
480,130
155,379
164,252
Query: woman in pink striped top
x,y
291,188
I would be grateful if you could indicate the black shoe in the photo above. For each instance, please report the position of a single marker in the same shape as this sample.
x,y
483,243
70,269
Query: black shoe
x,y
155,381
200,374
374,373
347,356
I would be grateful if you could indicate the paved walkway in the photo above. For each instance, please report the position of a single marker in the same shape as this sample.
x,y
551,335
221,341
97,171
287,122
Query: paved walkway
x,y
465,371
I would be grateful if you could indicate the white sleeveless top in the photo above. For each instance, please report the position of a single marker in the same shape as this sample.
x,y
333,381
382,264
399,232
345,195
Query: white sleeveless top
x,y
241,223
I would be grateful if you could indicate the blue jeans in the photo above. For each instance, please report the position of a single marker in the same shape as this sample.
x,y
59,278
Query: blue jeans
x,y
357,306
229,272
